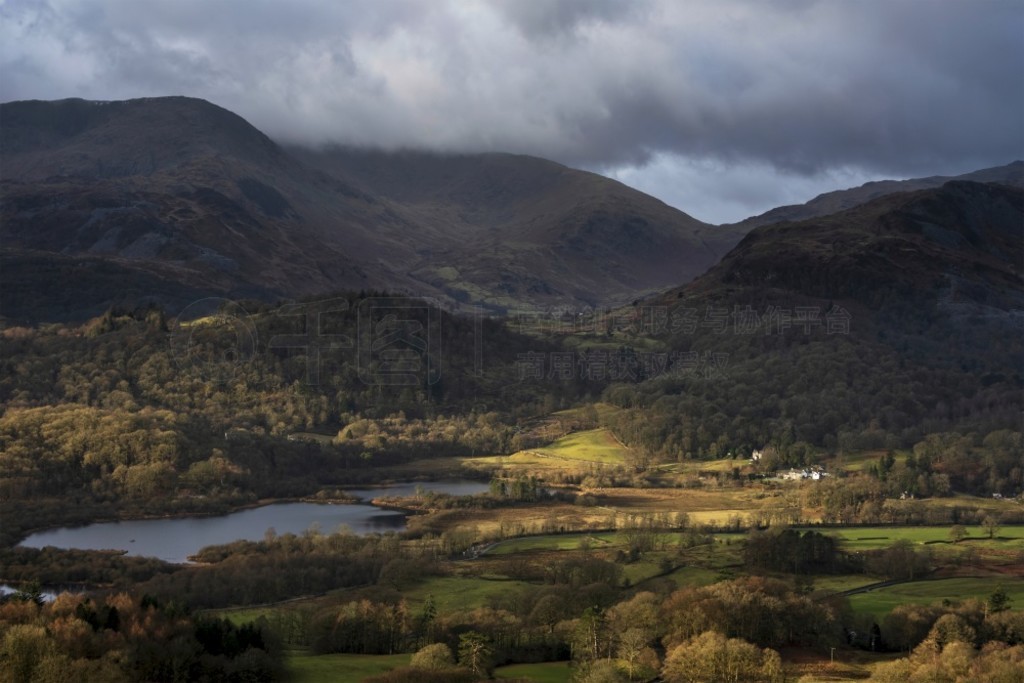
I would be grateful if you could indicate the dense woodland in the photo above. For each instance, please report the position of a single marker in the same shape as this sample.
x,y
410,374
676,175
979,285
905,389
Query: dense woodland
x,y
111,411
108,420
120,638
111,416
872,389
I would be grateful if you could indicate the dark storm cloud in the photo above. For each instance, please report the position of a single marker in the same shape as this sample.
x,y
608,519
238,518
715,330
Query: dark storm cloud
x,y
800,88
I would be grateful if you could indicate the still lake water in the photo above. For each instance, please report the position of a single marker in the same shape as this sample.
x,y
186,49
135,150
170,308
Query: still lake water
x,y
48,594
173,540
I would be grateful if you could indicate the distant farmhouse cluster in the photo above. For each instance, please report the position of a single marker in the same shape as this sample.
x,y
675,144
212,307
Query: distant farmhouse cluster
x,y
813,472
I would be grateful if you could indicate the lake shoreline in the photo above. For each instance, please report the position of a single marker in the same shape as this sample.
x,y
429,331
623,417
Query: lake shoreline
x,y
176,536
198,514
130,515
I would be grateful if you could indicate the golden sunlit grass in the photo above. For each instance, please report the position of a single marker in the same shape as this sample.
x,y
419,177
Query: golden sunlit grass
x,y
594,445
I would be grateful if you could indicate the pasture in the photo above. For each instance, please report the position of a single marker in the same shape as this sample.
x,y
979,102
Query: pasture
x,y
595,445
556,542
542,672
305,667
462,593
881,601
1004,550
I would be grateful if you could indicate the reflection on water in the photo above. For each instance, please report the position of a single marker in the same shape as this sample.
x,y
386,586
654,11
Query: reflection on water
x,y
47,593
173,540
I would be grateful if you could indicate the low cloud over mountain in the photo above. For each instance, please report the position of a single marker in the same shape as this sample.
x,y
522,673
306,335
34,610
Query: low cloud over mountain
x,y
823,94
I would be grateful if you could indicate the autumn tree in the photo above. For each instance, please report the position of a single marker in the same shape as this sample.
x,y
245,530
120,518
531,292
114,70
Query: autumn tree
x,y
435,657
713,657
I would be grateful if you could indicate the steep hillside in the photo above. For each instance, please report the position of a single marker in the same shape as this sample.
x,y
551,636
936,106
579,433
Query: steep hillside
x,y
866,329
525,229
180,188
959,247
188,193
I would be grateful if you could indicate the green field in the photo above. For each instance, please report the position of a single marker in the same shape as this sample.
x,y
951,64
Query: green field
x,y
458,593
960,500
842,582
695,466
595,445
555,542
643,569
304,667
881,601
312,437
544,672
693,576
870,538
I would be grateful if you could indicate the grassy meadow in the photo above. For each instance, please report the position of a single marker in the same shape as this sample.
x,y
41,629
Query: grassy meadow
x,y
595,446
305,667
543,672
880,601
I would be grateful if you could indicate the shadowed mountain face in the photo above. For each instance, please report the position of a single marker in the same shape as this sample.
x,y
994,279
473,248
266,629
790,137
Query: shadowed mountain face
x,y
166,199
179,192
174,189
955,252
516,229
1012,174
864,329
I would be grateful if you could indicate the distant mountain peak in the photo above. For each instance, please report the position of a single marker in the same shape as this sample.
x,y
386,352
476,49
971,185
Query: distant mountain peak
x,y
184,188
75,137
961,242
838,200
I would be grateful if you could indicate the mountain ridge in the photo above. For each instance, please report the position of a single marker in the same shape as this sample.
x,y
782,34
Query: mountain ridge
x,y
956,250
189,193
184,183
839,200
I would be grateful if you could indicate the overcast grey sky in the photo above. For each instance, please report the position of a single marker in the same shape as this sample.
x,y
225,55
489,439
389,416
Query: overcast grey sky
x,y
723,109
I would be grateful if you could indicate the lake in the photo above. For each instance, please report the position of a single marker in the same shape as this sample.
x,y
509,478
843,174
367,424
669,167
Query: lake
x,y
173,540
47,593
